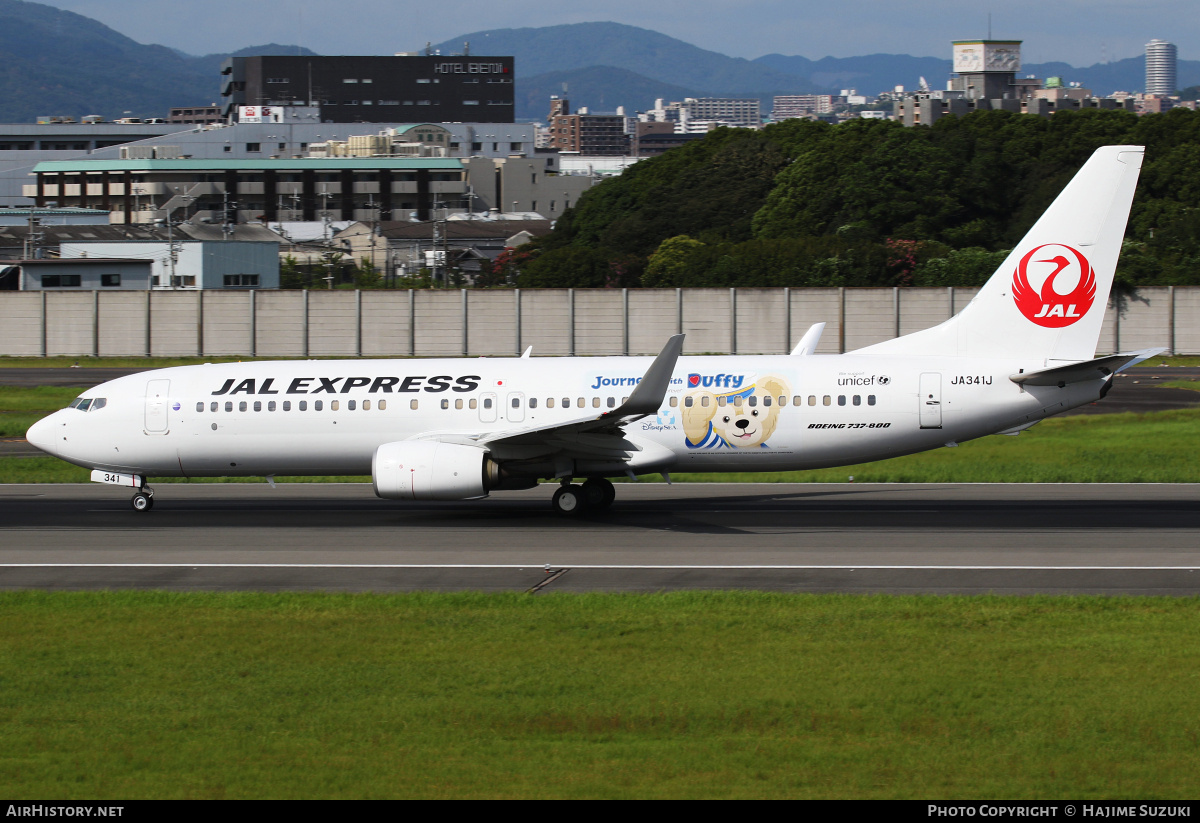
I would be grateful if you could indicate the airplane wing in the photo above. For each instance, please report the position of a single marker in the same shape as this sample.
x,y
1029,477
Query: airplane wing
x,y
1097,369
600,437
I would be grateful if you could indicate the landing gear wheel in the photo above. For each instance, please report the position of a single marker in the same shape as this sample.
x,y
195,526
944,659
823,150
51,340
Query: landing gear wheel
x,y
570,500
599,493
142,502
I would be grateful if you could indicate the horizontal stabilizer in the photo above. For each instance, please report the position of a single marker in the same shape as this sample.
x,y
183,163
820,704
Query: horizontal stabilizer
x,y
1097,369
808,343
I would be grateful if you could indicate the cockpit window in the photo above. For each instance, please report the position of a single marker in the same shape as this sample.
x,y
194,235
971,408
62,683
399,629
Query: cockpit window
x,y
84,403
88,403
75,403
99,403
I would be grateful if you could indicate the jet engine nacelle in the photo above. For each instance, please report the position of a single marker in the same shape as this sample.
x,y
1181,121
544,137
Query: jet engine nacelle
x,y
428,470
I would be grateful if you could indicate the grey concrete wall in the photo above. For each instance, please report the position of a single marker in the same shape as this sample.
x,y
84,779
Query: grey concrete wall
x,y
599,321
1187,320
653,317
1145,320
439,323
707,321
811,306
546,321
175,323
930,308
332,324
227,326
279,324
69,323
386,326
121,324
870,316
502,323
492,323
21,323
761,321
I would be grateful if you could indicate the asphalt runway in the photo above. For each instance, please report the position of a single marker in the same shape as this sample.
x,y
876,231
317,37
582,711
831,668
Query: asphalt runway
x,y
1009,539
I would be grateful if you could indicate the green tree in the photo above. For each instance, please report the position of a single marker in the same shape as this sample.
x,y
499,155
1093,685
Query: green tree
x,y
566,268
961,267
290,276
366,275
671,262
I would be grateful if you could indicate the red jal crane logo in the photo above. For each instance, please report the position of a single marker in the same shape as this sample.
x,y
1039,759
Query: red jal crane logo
x,y
1058,267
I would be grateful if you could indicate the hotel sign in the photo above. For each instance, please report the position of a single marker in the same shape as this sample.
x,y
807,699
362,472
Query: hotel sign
x,y
470,68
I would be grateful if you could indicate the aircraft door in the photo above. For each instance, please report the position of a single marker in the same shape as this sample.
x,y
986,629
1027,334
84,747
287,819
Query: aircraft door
x,y
516,407
157,392
487,407
931,400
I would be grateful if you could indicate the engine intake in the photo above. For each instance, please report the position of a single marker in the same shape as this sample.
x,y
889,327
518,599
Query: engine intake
x,y
428,470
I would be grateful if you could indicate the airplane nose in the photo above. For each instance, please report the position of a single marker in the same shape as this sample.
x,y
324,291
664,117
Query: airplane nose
x,y
41,434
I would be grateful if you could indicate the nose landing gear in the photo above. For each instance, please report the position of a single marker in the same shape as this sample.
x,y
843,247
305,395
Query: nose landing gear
x,y
143,499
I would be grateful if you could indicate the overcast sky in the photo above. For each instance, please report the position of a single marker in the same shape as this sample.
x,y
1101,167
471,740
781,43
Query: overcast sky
x,y
1079,32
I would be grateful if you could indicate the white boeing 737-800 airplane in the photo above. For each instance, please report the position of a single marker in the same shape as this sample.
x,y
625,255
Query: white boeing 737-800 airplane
x,y
455,429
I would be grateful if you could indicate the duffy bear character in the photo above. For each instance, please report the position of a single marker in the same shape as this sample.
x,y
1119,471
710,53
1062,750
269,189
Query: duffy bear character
x,y
742,419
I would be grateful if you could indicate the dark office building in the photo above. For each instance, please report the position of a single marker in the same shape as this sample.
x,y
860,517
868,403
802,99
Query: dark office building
x,y
405,89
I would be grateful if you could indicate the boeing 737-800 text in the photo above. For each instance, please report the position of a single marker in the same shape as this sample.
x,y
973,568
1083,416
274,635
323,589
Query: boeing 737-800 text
x,y
453,429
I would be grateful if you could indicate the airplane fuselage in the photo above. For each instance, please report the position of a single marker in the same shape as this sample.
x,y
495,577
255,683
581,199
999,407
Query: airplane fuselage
x,y
730,413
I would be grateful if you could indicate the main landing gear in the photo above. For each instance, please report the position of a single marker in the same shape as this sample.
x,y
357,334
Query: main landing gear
x,y
143,499
574,500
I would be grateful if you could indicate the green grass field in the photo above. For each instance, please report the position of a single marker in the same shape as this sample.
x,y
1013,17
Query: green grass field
x,y
709,695
20,408
133,695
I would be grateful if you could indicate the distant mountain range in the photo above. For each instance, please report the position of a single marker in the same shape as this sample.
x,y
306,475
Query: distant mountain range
x,y
55,62
649,62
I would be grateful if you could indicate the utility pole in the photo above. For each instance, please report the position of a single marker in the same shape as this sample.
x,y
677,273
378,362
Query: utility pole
x,y
374,230
326,218
438,240
173,251
173,248
33,239
226,222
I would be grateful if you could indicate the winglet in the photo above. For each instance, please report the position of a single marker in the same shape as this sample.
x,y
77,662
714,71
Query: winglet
x,y
1097,369
647,398
528,351
808,343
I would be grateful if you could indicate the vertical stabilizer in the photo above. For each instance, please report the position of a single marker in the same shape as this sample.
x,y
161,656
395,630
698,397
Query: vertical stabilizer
x,y
1047,300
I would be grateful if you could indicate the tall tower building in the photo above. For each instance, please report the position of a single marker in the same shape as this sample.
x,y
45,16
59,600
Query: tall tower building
x,y
987,69
1160,67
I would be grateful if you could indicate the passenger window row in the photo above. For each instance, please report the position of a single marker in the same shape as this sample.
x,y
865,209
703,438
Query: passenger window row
x,y
841,401
753,400
458,403
286,405
737,401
